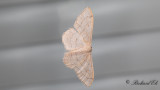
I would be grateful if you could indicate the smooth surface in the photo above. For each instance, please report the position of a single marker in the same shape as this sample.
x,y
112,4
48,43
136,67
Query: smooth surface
x,y
134,54
40,22
126,41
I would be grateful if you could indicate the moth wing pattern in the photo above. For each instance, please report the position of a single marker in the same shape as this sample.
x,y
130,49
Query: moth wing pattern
x,y
84,24
72,40
81,63
78,42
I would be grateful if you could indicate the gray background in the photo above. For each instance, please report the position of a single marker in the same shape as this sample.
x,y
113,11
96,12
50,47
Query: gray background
x,y
126,44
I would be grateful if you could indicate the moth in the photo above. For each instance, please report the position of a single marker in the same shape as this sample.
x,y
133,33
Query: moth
x,y
78,43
